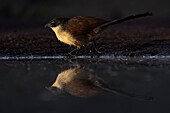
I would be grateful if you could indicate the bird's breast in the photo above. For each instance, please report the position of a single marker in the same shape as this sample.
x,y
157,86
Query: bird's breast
x,y
64,36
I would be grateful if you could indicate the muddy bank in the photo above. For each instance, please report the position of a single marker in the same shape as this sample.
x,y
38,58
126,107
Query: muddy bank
x,y
124,39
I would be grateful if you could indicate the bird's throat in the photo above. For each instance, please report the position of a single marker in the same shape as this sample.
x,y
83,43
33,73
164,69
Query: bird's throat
x,y
64,36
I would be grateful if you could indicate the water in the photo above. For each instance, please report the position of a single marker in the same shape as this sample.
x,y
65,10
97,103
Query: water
x,y
36,57
24,84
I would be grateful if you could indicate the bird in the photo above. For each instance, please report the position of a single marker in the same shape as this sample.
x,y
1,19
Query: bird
x,y
80,30
83,82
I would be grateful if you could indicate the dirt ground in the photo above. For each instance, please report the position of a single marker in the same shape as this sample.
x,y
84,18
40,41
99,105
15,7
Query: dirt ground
x,y
129,39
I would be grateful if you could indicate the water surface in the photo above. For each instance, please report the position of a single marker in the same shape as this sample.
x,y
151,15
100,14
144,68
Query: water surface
x,y
23,85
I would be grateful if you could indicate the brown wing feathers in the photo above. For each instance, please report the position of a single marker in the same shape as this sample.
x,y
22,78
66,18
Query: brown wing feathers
x,y
82,25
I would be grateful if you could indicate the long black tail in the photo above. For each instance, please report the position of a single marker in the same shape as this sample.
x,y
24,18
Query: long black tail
x,y
132,95
101,27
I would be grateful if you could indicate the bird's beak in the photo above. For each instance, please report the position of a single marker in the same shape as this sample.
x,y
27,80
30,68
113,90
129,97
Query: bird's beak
x,y
47,25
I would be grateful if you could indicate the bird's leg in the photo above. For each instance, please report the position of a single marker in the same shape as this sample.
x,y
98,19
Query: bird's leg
x,y
95,46
70,53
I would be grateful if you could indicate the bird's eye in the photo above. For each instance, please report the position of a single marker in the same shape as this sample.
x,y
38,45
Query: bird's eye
x,y
53,23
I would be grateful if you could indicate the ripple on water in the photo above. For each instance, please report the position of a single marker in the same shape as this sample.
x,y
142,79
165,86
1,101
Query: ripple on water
x,y
80,57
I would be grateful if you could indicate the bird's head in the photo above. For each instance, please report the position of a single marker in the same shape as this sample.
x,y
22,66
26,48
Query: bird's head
x,y
56,22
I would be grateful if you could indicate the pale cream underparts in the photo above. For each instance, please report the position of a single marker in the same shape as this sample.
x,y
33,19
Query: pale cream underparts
x,y
65,77
64,36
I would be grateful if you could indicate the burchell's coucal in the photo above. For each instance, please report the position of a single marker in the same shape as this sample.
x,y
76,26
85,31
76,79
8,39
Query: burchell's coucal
x,y
82,82
79,31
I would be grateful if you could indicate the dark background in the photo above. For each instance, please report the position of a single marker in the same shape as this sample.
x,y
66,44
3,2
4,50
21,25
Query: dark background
x,y
44,10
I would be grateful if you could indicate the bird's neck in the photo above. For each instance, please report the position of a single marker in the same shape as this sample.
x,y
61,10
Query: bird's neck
x,y
64,36
57,29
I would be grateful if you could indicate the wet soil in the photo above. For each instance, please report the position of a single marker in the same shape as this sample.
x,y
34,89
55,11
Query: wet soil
x,y
124,39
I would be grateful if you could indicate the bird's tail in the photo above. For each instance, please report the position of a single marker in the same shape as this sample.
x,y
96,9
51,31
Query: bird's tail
x,y
101,27
132,95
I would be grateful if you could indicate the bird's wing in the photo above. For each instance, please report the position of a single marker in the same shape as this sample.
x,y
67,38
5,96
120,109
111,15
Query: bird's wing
x,y
82,25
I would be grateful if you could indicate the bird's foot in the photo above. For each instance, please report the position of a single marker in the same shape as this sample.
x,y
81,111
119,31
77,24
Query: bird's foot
x,y
70,54
73,51
97,51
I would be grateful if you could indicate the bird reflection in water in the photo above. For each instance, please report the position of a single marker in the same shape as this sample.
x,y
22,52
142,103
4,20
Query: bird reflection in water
x,y
81,82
